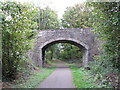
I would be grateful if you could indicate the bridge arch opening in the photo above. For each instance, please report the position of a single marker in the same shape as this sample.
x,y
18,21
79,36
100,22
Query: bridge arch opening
x,y
82,46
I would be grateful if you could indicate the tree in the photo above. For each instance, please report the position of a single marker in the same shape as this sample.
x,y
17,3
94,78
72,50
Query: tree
x,y
70,52
47,19
106,26
76,17
16,28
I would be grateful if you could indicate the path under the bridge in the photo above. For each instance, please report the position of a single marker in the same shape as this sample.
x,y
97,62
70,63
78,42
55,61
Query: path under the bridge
x,y
60,78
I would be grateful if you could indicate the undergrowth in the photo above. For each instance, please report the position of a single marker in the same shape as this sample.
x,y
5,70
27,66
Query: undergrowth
x,y
101,74
104,72
83,79
30,76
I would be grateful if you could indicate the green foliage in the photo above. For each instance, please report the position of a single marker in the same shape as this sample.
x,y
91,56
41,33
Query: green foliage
x,y
49,54
70,52
47,19
104,16
106,26
63,51
83,79
102,65
16,28
76,17
100,68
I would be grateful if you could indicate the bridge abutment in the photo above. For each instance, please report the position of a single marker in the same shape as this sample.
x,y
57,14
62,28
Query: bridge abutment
x,y
85,58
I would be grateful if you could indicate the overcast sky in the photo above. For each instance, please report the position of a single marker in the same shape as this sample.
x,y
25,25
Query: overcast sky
x,y
57,5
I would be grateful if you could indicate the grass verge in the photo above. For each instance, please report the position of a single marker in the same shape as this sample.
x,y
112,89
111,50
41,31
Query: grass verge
x,y
83,79
34,79
71,65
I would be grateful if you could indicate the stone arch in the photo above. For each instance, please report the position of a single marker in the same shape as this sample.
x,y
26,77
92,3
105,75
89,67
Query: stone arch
x,y
64,39
77,43
81,37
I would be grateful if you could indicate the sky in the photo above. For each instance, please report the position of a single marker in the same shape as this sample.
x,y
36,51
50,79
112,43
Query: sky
x,y
57,5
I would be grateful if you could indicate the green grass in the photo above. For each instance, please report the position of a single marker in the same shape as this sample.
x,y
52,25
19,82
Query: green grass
x,y
34,80
71,65
82,79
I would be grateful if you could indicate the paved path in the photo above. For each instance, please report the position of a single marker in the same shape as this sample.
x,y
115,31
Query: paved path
x,y
60,78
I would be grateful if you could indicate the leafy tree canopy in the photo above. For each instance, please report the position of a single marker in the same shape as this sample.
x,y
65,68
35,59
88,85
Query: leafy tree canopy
x,y
76,17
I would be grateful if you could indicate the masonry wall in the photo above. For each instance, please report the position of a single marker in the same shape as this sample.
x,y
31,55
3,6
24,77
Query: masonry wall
x,y
83,37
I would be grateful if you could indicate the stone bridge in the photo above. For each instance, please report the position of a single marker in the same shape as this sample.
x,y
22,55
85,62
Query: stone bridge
x,y
82,38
